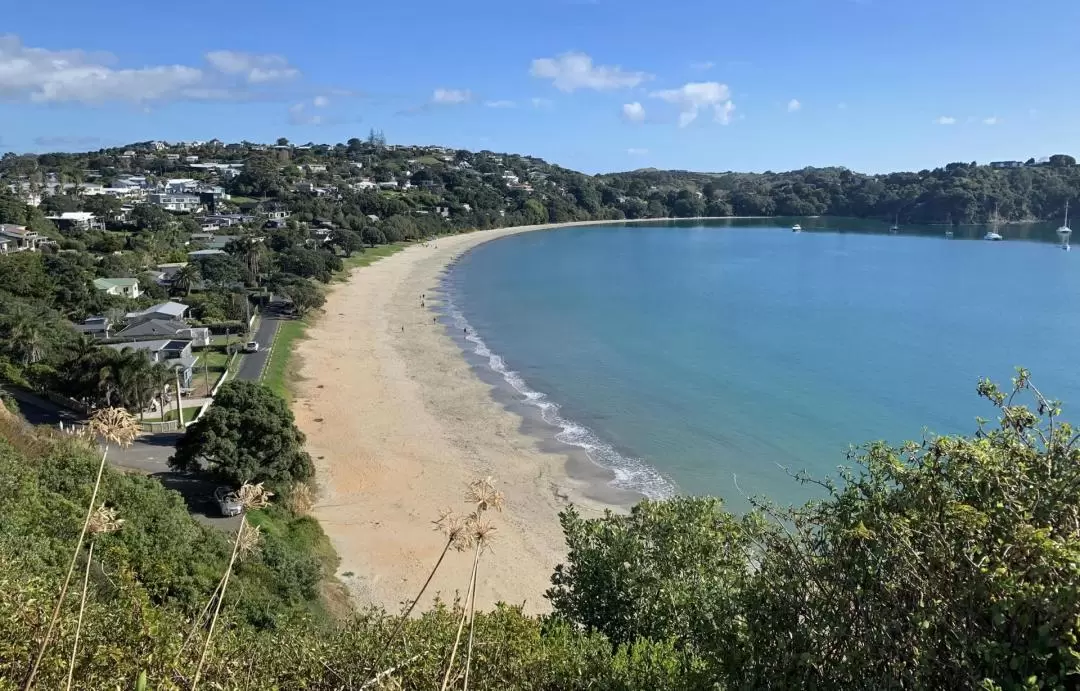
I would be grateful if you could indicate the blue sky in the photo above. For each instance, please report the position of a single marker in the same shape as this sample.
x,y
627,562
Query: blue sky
x,y
596,85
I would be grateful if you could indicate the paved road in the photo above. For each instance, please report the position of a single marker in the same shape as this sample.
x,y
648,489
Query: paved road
x,y
253,364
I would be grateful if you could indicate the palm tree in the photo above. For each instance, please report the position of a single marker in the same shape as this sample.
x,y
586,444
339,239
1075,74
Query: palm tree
x,y
186,278
26,334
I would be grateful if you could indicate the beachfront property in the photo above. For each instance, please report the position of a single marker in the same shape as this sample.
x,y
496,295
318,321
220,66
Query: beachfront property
x,y
173,353
122,287
18,239
167,328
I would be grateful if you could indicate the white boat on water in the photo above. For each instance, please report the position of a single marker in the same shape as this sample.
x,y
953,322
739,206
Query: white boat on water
x,y
1065,232
896,225
992,235
948,234
796,228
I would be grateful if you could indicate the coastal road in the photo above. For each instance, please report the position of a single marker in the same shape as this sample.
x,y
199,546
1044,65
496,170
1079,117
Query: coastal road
x,y
253,364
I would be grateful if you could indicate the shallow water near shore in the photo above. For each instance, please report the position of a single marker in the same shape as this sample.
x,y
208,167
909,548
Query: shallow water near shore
x,y
716,358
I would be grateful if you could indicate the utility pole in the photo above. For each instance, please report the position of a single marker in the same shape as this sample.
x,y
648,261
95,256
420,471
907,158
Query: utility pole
x,y
179,404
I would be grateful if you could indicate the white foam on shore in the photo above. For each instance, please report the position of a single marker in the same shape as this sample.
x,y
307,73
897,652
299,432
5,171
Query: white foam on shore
x,y
630,473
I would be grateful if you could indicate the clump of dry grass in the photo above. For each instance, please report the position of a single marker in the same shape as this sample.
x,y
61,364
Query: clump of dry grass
x,y
301,499
107,426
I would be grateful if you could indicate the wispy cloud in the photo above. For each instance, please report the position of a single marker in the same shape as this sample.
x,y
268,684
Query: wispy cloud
x,y
793,106
637,152
42,75
538,102
451,97
634,112
992,120
256,69
945,120
692,97
67,141
500,104
320,101
572,71
703,65
841,106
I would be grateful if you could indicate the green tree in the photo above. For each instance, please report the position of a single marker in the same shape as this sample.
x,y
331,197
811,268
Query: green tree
x,y
373,235
104,206
248,435
304,294
151,217
347,241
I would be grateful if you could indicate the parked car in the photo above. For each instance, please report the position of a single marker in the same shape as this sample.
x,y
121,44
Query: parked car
x,y
251,347
227,501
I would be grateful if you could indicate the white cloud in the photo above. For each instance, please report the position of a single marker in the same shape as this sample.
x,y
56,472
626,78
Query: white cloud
x,y
794,106
694,96
634,112
572,71
320,101
992,120
74,76
945,120
451,97
299,115
538,102
637,152
702,66
255,68
500,104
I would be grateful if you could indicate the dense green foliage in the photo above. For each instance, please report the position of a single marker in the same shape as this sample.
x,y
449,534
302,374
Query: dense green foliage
x,y
247,436
951,563
45,483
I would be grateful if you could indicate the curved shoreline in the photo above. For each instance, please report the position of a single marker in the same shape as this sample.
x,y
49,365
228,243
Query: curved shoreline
x,y
398,422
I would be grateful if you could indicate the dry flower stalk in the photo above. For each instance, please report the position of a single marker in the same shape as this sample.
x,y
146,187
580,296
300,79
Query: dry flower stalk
x,y
104,520
113,426
248,540
483,495
253,496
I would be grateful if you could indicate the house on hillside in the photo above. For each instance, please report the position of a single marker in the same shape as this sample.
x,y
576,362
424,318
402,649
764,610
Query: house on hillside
x,y
196,254
123,287
77,220
184,203
18,239
173,353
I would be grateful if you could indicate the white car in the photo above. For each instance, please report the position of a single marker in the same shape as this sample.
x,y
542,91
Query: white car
x,y
251,347
227,501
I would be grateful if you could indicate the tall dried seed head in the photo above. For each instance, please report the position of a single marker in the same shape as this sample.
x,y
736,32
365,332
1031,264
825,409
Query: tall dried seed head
x,y
249,540
481,531
483,495
453,527
104,520
254,496
113,426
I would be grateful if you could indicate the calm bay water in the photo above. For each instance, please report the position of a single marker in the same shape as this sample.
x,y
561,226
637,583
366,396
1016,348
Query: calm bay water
x,y
705,358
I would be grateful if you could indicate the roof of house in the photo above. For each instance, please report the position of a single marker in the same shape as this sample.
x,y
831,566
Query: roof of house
x,y
174,310
16,231
154,327
77,216
107,283
205,253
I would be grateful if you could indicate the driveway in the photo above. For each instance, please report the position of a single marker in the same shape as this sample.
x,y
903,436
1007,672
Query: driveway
x,y
253,364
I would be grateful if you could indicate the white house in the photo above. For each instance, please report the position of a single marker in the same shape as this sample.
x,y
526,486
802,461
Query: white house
x,y
18,239
175,202
124,287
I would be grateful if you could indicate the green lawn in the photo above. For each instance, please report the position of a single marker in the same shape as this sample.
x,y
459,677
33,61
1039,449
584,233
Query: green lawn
x,y
369,255
276,374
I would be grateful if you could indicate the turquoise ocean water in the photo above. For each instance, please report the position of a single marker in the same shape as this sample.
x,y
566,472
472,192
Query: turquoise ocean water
x,y
707,358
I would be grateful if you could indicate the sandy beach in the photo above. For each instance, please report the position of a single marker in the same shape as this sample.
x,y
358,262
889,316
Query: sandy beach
x,y
398,423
